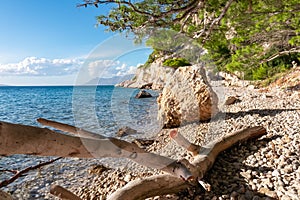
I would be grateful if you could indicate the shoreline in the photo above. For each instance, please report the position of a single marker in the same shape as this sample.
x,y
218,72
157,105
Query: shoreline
x,y
255,170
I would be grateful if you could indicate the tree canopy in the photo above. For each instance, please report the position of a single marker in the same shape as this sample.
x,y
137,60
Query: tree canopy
x,y
257,37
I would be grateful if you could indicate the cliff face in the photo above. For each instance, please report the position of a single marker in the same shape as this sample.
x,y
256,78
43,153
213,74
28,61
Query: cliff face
x,y
153,77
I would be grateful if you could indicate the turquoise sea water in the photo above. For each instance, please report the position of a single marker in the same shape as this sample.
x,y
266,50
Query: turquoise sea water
x,y
102,109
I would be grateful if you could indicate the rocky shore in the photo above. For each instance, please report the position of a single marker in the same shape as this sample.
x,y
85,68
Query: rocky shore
x,y
268,168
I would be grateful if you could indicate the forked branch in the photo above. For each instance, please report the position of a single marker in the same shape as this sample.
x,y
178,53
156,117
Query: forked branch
x,y
166,184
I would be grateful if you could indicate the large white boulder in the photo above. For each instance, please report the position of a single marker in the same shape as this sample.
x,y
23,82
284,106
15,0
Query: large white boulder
x,y
187,97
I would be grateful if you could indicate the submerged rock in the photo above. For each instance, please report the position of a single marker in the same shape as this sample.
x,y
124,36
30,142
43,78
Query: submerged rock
x,y
187,97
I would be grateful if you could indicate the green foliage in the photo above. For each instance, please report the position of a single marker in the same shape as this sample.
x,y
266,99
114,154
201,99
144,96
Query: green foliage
x,y
257,37
176,62
152,57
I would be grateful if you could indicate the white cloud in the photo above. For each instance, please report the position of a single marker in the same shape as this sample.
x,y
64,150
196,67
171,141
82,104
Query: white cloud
x,y
109,68
41,67
124,70
102,68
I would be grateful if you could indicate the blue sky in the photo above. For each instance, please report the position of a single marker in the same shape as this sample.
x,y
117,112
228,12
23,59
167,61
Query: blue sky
x,y
49,42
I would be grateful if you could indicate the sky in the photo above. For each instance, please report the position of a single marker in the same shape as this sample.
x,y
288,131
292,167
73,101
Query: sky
x,y
49,42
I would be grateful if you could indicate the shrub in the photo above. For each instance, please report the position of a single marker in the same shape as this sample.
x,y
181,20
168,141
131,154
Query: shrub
x,y
176,62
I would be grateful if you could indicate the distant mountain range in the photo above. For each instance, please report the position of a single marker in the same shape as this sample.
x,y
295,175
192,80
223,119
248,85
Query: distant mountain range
x,y
109,81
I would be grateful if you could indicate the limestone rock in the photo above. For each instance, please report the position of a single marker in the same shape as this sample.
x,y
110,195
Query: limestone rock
x,y
154,76
187,97
143,94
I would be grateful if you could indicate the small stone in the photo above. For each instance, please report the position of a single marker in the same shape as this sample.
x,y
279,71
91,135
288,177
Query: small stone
x,y
127,178
267,192
246,175
285,197
231,100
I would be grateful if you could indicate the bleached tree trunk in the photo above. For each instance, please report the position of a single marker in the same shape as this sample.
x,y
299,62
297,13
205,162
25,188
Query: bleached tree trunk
x,y
21,139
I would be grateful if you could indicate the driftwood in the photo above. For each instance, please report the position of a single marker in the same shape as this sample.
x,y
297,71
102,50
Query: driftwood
x,y
20,139
166,184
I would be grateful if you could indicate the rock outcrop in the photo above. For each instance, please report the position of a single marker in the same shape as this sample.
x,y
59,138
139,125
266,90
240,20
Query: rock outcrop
x,y
187,97
152,77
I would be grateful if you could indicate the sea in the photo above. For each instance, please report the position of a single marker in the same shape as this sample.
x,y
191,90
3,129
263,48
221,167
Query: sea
x,y
100,109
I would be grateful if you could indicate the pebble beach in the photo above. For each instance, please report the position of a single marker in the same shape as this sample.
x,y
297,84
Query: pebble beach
x,y
267,168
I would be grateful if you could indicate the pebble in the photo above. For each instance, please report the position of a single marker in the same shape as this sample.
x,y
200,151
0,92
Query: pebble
x,y
127,178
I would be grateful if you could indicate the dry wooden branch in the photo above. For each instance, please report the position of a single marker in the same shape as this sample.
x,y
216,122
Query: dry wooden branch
x,y
166,184
21,139
63,193
148,187
183,142
20,173
70,129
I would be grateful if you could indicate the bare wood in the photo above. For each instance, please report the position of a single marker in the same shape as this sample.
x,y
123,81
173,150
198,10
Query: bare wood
x,y
63,193
70,129
148,187
205,185
20,173
166,184
183,142
21,139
